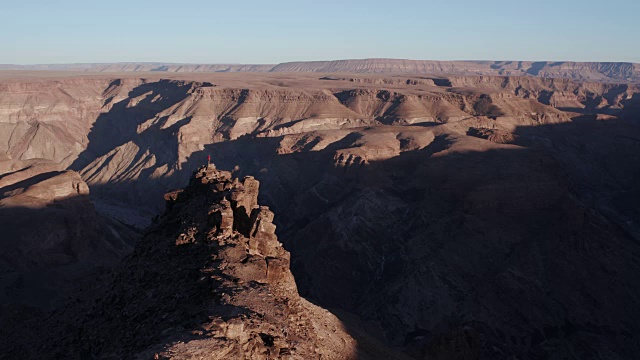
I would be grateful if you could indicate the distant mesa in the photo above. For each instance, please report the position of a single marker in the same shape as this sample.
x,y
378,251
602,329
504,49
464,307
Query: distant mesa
x,y
585,71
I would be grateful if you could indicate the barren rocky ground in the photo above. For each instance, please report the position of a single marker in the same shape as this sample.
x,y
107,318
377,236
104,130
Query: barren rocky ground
x,y
434,217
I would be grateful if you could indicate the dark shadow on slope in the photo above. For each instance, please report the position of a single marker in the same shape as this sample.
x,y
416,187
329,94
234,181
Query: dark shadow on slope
x,y
527,252
45,250
163,292
545,97
7,190
601,159
157,144
4,175
484,215
536,67
356,234
442,82
615,92
120,124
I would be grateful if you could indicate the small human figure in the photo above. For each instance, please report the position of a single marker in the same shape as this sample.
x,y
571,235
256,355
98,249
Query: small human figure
x,y
208,160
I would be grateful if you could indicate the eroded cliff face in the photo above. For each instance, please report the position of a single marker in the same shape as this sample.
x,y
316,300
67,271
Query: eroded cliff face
x,y
117,131
53,119
209,279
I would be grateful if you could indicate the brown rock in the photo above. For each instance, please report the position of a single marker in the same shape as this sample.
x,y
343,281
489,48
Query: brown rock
x,y
262,239
230,295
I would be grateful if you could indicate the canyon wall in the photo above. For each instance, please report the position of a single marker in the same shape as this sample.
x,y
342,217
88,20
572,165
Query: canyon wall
x,y
452,216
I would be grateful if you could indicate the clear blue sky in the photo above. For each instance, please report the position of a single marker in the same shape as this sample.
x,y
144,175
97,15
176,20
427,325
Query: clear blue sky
x,y
246,31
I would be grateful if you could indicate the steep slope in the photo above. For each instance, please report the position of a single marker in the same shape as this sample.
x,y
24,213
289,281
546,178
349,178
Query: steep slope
x,y
462,238
209,279
51,235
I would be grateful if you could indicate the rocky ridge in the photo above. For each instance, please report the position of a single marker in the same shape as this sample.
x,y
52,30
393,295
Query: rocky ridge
x,y
209,279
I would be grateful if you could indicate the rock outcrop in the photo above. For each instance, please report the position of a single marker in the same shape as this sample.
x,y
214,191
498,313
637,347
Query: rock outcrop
x,y
256,312
209,280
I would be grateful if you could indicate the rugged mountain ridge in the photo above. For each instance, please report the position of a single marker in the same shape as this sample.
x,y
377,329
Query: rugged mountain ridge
x,y
584,71
209,279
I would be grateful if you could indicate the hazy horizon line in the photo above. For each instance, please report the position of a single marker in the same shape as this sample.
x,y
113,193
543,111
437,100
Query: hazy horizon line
x,y
307,61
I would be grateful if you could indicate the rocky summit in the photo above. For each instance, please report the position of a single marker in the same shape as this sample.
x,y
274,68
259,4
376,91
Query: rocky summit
x,y
208,280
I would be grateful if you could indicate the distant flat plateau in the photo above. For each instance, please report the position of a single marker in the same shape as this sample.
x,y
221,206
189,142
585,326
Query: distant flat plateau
x,y
583,71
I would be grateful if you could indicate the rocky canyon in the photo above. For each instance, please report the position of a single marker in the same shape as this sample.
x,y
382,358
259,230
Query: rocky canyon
x,y
351,210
